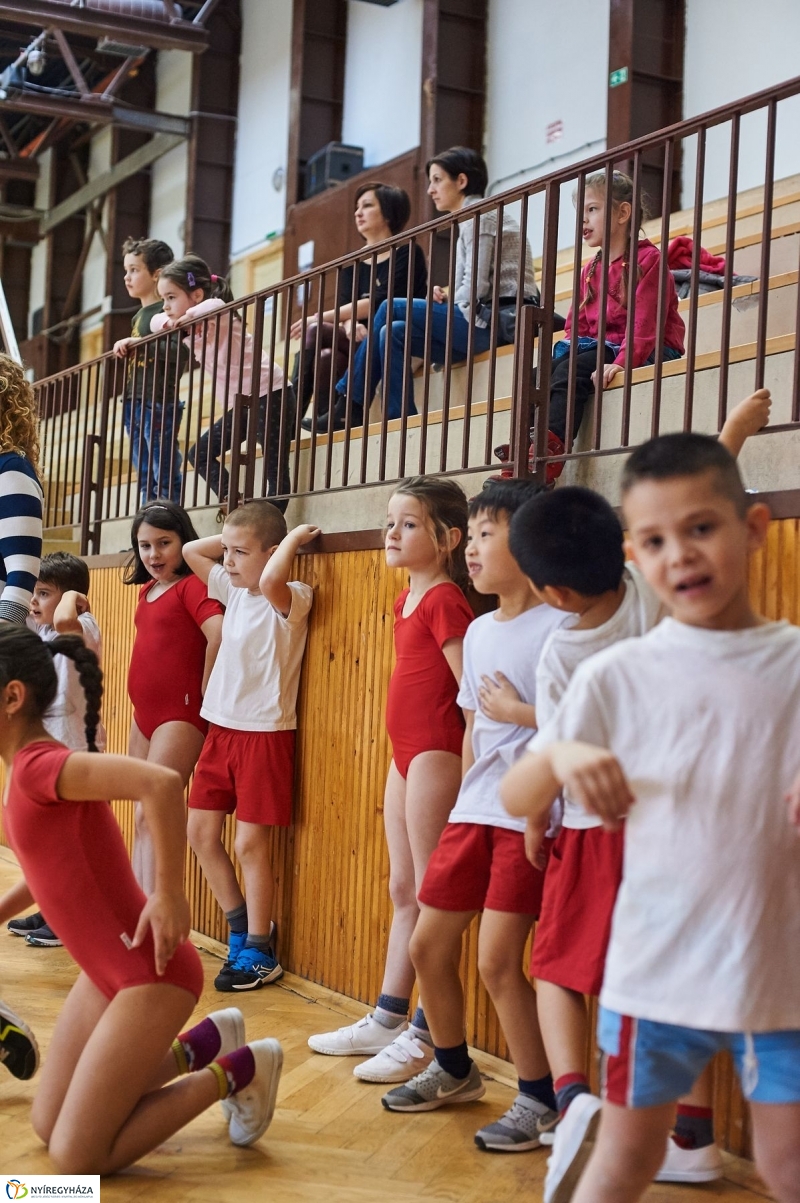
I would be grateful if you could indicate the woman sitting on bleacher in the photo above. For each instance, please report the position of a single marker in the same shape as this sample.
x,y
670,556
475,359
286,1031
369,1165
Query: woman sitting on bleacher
x,y
457,178
381,212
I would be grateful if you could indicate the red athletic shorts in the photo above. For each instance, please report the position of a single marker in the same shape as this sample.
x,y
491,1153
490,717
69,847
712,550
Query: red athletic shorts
x,y
251,772
581,884
475,867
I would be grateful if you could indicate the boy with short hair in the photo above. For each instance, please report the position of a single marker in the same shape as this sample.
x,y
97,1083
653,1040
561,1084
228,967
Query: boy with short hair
x,y
153,410
480,864
247,761
570,545
691,734
60,607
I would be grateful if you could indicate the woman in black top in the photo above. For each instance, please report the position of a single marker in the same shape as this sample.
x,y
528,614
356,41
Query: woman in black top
x,y
381,212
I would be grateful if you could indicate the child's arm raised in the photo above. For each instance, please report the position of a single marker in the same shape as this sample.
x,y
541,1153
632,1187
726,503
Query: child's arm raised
x,y
747,418
202,554
160,792
212,629
500,701
66,618
274,583
592,776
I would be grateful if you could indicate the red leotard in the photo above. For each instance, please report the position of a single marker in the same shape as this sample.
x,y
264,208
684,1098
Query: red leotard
x,y
77,868
421,710
166,670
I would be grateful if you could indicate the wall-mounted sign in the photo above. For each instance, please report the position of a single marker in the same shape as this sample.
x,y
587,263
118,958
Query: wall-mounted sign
x,y
618,77
554,131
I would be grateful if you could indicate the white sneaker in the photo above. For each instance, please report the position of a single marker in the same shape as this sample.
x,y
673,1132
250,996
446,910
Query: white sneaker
x,y
572,1147
230,1025
250,1111
364,1038
690,1165
400,1061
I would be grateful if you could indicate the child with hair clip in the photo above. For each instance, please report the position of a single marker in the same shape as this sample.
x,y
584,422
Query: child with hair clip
x,y
425,534
191,292
585,324
178,633
104,1100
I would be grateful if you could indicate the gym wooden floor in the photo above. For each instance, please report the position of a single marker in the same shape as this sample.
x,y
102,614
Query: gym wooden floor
x,y
330,1140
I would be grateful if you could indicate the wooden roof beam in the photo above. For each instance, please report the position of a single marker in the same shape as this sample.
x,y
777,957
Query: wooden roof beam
x,y
95,110
92,22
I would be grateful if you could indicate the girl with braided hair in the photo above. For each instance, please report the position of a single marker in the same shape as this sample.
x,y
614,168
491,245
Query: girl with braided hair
x,y
585,324
106,1096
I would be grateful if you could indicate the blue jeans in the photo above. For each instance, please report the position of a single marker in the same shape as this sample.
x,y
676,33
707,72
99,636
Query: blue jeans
x,y
150,427
363,391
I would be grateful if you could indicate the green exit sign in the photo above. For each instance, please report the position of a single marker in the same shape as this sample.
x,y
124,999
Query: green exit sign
x,y
618,77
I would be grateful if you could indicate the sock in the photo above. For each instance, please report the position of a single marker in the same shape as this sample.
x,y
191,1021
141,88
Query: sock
x,y
197,1048
694,1127
237,920
540,1089
391,1011
234,1071
568,1088
455,1061
420,1025
262,943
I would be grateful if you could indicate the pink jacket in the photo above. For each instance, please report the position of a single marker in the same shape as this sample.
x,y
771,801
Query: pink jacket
x,y
230,331
644,335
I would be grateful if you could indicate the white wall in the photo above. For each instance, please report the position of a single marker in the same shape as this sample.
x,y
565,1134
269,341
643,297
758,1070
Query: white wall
x,y
717,70
170,172
534,81
383,79
93,282
39,253
263,129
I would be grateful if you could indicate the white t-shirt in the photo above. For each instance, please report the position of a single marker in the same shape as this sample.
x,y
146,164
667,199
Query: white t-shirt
x,y
567,648
706,726
512,648
65,718
254,681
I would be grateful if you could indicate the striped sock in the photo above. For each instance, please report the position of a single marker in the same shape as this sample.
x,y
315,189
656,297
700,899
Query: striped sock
x,y
197,1048
234,1071
567,1088
694,1127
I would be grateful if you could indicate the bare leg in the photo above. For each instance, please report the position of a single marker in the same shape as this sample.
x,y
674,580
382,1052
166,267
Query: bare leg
x,y
205,837
628,1154
252,850
176,746
565,1028
702,1093
500,950
138,747
436,954
414,814
776,1136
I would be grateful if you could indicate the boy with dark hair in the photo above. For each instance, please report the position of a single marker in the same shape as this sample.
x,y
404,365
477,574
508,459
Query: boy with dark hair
x,y
247,761
570,545
60,607
691,734
481,864
153,410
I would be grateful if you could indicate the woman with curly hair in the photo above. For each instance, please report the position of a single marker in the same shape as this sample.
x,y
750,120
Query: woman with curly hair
x,y
20,493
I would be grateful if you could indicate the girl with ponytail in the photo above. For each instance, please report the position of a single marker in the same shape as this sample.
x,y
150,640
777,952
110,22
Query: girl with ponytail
x,y
107,1095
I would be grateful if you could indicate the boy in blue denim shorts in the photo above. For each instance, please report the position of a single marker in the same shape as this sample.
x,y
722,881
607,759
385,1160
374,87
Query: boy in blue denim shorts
x,y
691,734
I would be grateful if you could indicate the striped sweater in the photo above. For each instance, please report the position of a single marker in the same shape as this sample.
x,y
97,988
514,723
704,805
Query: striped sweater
x,y
20,535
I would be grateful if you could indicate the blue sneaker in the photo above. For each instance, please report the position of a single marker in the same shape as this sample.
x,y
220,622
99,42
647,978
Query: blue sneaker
x,y
236,942
253,969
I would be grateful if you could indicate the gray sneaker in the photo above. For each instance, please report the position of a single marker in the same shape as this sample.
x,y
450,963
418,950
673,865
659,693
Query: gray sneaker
x,y
519,1130
435,1088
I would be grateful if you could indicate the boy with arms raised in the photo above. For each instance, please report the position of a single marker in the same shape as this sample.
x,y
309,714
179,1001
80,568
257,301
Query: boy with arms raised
x,y
691,734
247,761
480,863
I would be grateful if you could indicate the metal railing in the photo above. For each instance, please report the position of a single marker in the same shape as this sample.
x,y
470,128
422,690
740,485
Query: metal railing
x,y
459,389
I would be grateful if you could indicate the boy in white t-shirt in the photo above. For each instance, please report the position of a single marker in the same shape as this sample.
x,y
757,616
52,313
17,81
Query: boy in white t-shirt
x,y
691,734
480,863
247,761
59,606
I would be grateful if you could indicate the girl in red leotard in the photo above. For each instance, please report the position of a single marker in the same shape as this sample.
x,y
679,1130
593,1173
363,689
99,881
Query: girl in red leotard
x,y
425,534
178,631
103,1100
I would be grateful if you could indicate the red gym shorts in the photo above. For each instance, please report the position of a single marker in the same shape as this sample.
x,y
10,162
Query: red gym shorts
x,y
251,772
581,885
475,867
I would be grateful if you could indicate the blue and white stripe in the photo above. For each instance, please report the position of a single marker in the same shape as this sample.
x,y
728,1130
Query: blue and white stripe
x,y
20,535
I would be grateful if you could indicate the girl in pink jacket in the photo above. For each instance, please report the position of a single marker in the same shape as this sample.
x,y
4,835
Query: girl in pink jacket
x,y
191,294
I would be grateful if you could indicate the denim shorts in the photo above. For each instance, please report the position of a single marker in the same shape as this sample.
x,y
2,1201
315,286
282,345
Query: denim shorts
x,y
649,1064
